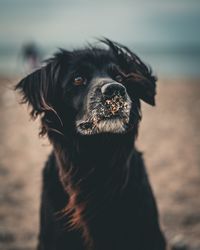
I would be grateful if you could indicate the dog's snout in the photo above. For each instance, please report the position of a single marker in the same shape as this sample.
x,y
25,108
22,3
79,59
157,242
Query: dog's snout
x,y
110,90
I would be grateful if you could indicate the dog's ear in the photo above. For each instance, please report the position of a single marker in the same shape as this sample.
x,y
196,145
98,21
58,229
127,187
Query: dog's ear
x,y
141,87
37,88
139,80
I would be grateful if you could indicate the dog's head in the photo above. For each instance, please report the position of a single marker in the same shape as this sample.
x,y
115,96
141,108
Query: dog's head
x,y
90,91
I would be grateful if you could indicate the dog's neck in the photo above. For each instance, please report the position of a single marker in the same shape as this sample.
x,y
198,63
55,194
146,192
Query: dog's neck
x,y
101,154
102,149
94,172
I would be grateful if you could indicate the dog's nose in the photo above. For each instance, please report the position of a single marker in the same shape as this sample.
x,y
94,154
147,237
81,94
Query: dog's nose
x,y
110,90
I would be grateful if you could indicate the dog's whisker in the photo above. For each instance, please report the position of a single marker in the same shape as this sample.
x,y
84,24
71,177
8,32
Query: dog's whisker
x,y
55,130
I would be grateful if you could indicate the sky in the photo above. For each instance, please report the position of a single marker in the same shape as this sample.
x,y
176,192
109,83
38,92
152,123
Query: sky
x,y
72,22
149,27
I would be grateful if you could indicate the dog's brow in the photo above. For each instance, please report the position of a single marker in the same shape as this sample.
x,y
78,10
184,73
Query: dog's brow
x,y
84,67
112,67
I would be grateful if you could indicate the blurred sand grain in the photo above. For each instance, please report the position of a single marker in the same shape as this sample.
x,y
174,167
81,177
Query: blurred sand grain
x,y
169,137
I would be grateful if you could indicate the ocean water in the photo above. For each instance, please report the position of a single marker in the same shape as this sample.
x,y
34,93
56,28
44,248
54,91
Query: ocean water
x,y
163,63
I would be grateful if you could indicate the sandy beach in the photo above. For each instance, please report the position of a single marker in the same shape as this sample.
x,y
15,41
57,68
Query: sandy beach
x,y
169,137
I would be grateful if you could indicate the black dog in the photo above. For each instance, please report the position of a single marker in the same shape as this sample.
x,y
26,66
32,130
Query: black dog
x,y
96,194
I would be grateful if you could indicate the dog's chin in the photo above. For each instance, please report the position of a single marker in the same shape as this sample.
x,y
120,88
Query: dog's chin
x,y
114,125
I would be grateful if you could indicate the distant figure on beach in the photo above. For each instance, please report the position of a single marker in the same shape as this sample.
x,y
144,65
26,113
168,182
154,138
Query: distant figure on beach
x,y
31,56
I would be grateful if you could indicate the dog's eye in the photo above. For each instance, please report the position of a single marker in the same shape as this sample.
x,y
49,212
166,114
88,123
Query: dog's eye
x,y
118,78
79,80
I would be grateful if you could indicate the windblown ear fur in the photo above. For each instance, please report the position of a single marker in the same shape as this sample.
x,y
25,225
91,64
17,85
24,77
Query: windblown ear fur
x,y
141,87
139,80
37,88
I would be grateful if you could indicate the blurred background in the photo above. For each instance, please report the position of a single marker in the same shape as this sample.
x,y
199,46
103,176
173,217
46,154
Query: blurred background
x,y
165,34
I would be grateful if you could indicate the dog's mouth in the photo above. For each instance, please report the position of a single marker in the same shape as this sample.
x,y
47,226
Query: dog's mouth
x,y
106,116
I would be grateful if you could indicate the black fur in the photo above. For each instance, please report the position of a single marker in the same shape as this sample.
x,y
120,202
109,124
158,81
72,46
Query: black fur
x,y
96,194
